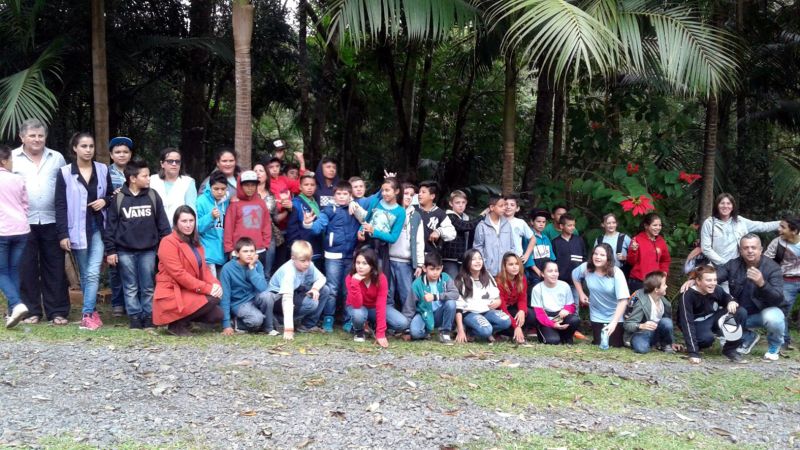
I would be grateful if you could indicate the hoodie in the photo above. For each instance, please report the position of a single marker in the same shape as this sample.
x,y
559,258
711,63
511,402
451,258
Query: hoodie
x,y
296,231
249,217
493,242
240,285
211,230
324,194
137,224
339,229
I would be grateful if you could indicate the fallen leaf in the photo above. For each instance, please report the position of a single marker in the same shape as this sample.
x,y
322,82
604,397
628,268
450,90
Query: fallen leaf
x,y
411,383
452,412
721,431
509,364
373,407
248,413
792,390
447,376
305,443
686,418
244,363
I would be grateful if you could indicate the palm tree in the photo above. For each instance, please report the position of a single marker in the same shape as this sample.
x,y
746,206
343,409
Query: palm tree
x,y
242,36
100,80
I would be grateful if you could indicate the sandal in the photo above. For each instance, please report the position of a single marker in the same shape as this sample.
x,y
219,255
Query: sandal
x,y
58,320
32,320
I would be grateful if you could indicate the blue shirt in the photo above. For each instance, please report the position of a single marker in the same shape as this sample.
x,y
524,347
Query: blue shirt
x,y
612,241
287,278
604,292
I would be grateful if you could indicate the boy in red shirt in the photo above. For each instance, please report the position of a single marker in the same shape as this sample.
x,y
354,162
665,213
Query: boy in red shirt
x,y
249,217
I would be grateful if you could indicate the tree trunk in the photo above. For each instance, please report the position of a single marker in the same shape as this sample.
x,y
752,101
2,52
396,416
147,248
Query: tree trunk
x,y
242,37
100,81
422,108
709,158
509,122
559,110
455,169
194,113
540,138
302,73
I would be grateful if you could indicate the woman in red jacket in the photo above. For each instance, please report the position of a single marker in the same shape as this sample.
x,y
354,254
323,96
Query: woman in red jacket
x,y
186,291
648,252
514,295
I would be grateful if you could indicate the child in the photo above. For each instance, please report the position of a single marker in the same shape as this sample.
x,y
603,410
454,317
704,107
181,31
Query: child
x,y
339,228
305,209
514,295
494,236
543,249
431,302
367,288
211,207
360,190
569,249
245,294
552,230
554,306
14,231
120,148
327,179
649,322
292,171
406,255
249,217
477,308
136,224
453,251
521,230
384,222
435,221
618,241
280,185
301,289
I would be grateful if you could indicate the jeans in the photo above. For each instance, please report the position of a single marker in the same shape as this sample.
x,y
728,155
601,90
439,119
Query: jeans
x,y
257,314
483,325
400,282
335,271
791,289
395,320
451,268
643,340
11,250
89,261
772,320
443,319
43,281
266,258
115,283
137,270
307,310
552,336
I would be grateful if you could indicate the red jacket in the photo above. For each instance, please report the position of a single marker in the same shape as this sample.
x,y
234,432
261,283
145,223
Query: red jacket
x,y
181,286
509,297
649,257
249,217
373,296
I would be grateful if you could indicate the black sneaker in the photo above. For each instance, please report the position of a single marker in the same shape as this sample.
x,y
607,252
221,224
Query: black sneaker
x,y
135,323
736,358
147,323
359,337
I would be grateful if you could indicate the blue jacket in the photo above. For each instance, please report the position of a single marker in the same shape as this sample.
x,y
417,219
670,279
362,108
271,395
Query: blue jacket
x,y
239,286
295,230
339,230
210,229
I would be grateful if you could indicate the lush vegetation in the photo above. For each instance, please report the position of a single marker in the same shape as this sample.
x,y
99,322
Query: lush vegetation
x,y
556,100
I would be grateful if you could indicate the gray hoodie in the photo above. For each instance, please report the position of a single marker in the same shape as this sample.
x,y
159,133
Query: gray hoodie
x,y
493,243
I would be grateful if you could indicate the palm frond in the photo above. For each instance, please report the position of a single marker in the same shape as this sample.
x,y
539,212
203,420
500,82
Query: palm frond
x,y
217,46
24,94
786,176
360,20
557,35
786,113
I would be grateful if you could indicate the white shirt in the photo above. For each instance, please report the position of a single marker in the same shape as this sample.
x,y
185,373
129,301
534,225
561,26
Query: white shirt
x,y
40,182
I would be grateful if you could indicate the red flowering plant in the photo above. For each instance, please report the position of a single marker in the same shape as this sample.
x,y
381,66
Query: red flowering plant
x,y
688,178
632,169
637,206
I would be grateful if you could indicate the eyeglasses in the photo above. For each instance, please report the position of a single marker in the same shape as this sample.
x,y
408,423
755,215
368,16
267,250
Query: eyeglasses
x,y
173,162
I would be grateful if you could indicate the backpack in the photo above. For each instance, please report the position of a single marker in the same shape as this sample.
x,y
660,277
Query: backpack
x,y
626,268
779,253
119,196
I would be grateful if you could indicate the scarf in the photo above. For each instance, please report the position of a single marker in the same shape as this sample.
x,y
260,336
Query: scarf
x,y
311,204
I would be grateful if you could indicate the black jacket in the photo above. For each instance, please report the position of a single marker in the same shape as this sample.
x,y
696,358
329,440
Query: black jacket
x,y
696,306
455,249
771,294
137,224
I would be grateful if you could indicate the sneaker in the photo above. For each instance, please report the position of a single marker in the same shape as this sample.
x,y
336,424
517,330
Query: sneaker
x,y
668,349
787,346
327,324
579,336
88,323
118,311
359,337
347,326
178,329
772,354
96,319
736,357
748,344
147,323
445,339
17,314
274,333
305,329
135,323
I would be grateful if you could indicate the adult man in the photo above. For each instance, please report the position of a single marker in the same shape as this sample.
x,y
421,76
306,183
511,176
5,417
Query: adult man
x,y
42,278
757,285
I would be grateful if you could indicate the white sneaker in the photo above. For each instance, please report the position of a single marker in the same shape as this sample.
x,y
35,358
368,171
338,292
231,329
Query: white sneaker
x,y
273,333
773,354
745,347
17,314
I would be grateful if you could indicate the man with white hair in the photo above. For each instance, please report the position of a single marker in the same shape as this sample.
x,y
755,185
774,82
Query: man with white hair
x,y
43,284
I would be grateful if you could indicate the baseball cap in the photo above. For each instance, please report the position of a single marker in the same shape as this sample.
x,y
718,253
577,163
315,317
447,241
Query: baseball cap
x,y
121,140
248,176
730,330
279,144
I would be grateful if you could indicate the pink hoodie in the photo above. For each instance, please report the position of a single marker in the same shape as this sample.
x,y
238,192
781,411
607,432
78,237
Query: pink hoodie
x,y
13,204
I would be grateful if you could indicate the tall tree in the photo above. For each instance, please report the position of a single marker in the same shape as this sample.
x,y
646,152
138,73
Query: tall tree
x,y
509,122
242,37
100,80
709,158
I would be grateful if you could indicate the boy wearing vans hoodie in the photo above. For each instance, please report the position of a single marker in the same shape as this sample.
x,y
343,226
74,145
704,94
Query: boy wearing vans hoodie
x,y
136,224
249,217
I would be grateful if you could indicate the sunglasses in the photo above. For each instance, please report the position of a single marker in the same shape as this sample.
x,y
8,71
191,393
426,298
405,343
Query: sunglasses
x,y
173,162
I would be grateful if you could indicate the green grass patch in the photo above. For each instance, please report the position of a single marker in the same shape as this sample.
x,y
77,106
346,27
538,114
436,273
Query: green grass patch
x,y
743,385
70,442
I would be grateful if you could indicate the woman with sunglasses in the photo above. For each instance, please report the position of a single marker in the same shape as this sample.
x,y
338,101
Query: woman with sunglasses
x,y
172,184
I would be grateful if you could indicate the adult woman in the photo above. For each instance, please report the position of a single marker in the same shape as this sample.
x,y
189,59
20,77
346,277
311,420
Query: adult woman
x,y
83,190
648,251
785,250
225,159
721,232
186,291
608,293
554,307
618,241
14,230
649,323
174,187
478,304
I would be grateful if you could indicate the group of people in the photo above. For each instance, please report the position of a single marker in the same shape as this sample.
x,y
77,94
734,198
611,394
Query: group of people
x,y
279,249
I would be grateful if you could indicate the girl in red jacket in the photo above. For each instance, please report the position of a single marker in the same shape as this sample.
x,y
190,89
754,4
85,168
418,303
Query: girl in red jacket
x,y
648,252
514,295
